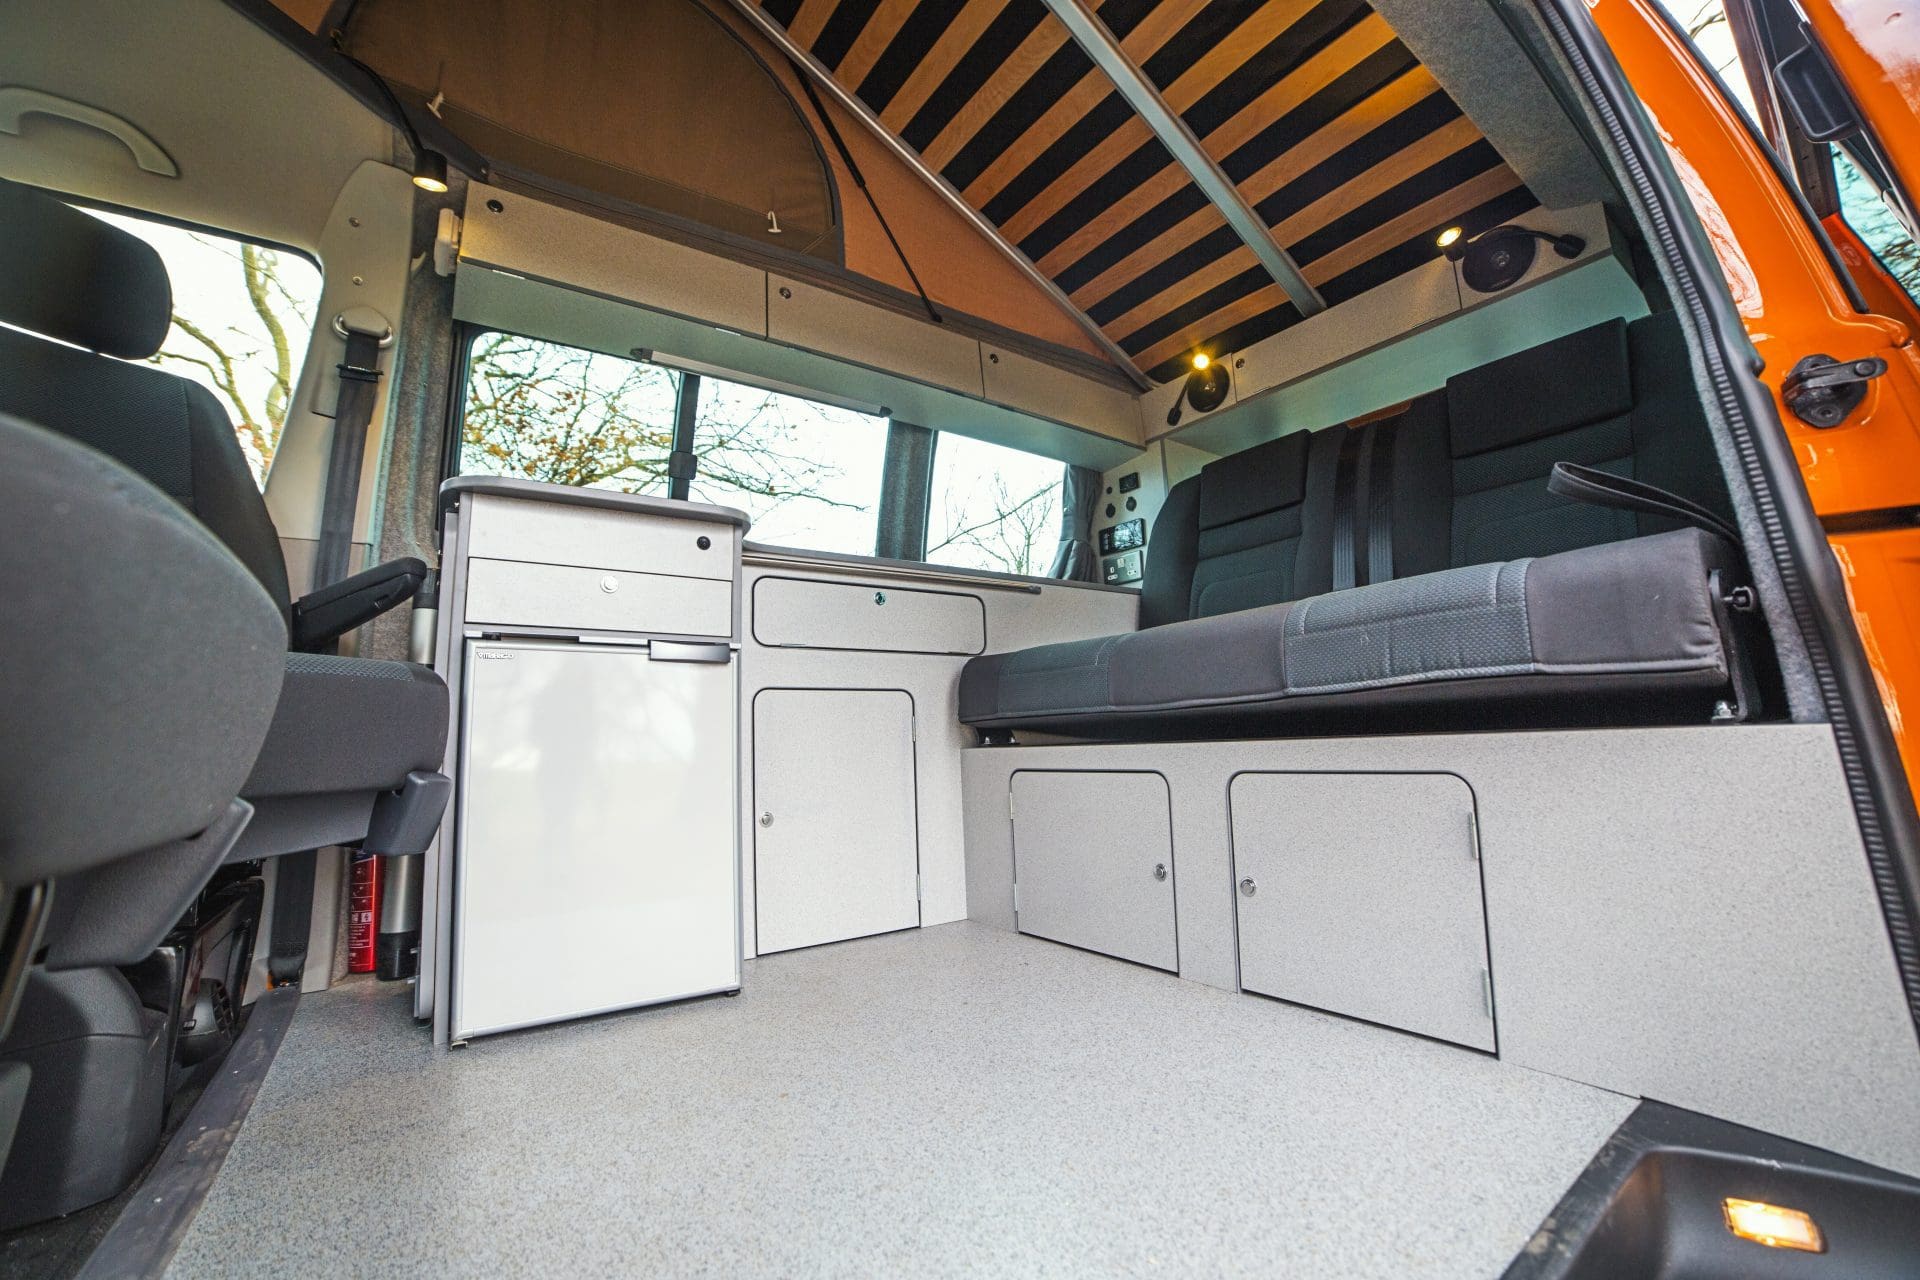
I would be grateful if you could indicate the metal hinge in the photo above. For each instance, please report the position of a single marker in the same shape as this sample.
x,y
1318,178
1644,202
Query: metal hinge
x,y
1009,804
1473,834
1016,897
1822,391
1486,990
919,887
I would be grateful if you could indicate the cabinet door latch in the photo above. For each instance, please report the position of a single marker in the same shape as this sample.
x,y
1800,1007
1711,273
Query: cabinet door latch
x,y
1822,391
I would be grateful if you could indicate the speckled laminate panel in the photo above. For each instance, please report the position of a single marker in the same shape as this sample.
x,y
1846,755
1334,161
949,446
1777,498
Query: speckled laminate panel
x,y
951,1101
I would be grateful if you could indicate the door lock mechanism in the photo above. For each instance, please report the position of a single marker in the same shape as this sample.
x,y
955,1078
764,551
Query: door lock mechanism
x,y
1822,391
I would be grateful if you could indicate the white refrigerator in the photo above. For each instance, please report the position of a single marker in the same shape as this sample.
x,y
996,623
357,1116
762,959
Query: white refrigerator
x,y
598,868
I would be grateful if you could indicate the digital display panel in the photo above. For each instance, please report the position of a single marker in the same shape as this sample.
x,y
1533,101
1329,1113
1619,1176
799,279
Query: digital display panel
x,y
1129,535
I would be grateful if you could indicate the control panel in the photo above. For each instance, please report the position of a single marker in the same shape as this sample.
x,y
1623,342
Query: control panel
x,y
1128,535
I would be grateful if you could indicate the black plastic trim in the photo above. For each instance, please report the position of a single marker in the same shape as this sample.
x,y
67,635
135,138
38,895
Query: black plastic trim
x,y
1627,1213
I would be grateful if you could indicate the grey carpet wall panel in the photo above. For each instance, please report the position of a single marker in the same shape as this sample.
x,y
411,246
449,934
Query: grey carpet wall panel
x,y
1683,913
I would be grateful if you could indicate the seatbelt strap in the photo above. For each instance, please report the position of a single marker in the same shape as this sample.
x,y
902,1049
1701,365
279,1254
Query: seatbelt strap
x,y
332,561
1344,510
292,917
1604,489
1380,503
352,412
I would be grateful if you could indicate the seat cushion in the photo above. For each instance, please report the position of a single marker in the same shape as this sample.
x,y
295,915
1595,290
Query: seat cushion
x,y
1632,620
350,725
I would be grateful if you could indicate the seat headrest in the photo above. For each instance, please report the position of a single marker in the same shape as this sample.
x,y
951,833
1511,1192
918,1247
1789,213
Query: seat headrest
x,y
1541,391
1254,481
65,274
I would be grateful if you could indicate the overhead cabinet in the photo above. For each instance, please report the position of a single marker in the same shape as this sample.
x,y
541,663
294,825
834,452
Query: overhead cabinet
x,y
835,833
1093,862
1359,893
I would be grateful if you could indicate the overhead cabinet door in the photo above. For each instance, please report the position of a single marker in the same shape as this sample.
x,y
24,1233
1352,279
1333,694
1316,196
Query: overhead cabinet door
x,y
836,841
1093,862
1360,894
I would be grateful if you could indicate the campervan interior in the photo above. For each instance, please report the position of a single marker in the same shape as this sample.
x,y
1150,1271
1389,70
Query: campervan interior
x,y
1021,637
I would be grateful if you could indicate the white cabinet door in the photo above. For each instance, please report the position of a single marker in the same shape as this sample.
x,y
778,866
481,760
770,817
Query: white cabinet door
x,y
836,842
1093,862
596,866
1360,893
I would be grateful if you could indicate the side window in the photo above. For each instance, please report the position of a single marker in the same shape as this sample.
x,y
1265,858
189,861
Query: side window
x,y
1866,210
991,507
808,473
545,411
242,319
1836,179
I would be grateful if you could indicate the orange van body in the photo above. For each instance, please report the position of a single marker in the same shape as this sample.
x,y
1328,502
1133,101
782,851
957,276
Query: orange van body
x,y
1863,475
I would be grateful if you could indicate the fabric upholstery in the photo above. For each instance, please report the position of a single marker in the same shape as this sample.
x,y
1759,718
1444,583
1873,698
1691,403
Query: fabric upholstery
x,y
1530,623
1461,569
350,725
142,662
166,428
1247,531
73,277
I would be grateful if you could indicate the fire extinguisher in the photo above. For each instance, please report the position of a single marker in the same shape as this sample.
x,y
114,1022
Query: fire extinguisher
x,y
363,912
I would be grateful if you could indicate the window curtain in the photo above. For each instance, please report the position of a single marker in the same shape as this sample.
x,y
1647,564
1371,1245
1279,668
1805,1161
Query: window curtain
x,y
1079,498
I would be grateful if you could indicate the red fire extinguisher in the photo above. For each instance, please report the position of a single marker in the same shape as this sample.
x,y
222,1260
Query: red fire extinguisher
x,y
363,912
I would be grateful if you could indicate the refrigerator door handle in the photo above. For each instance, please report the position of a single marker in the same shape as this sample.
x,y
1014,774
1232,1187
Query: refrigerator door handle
x,y
678,651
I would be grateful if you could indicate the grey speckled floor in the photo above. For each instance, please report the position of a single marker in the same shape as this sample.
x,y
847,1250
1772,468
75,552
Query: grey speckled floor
x,y
955,1101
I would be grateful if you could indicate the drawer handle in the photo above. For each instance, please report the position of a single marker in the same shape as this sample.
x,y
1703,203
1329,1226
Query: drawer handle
x,y
1247,887
879,597
766,819
609,584
1159,871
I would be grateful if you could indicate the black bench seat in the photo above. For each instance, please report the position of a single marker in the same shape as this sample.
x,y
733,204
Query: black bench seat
x,y
1339,580
1621,626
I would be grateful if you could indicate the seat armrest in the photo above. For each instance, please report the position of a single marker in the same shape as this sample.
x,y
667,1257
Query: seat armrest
x,y
323,616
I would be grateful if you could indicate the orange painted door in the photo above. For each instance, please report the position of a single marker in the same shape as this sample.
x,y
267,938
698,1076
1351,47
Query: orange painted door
x,y
1807,212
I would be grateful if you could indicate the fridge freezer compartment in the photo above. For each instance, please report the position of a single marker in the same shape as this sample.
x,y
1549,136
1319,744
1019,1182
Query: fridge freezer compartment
x,y
597,867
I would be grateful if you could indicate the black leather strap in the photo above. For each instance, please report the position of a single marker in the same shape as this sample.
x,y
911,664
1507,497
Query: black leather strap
x,y
1604,489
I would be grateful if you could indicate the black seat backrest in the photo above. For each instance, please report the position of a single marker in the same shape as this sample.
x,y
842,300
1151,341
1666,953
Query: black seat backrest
x,y
1249,530
1466,467
1471,461
73,278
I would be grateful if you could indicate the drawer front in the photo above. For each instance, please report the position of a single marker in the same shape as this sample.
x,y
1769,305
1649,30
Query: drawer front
x,y
509,593
553,533
799,613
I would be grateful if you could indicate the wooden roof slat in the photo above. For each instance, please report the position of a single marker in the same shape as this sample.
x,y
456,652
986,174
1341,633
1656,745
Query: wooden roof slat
x,y
1342,54
811,21
967,27
1367,114
1436,211
1267,22
1007,79
1309,78
873,40
1145,40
